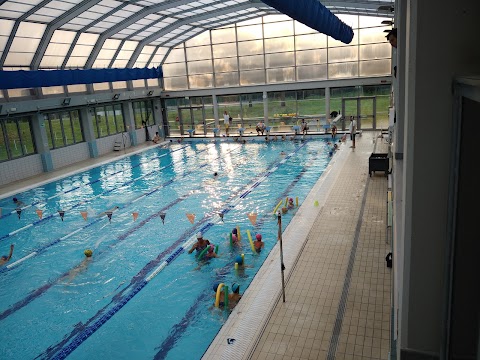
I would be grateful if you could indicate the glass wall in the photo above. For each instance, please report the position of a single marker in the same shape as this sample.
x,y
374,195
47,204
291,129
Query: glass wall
x,y
63,129
272,50
108,120
143,113
16,138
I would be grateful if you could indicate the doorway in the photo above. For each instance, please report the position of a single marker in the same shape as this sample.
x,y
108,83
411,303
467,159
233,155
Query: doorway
x,y
192,117
363,109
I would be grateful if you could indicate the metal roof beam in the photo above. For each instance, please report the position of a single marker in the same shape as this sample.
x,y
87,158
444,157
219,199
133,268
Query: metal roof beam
x,y
54,25
188,21
127,22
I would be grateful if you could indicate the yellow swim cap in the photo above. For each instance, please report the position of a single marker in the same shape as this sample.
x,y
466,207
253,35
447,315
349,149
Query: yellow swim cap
x,y
88,253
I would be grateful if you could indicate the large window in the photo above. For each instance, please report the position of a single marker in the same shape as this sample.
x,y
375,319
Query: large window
x,y
274,50
143,113
108,120
63,129
16,139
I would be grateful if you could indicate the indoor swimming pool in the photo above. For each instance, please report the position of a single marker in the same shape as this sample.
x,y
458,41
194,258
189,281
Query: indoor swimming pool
x,y
141,295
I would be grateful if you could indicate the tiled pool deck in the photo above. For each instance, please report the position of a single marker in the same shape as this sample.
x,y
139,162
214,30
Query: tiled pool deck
x,y
337,285
337,294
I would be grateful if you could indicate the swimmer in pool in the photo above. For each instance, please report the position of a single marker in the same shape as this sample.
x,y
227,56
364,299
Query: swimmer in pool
x,y
233,297
258,243
6,258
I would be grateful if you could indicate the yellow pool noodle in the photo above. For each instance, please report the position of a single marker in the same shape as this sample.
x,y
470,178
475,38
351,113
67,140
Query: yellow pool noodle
x,y
239,236
276,207
217,297
286,201
251,241
296,201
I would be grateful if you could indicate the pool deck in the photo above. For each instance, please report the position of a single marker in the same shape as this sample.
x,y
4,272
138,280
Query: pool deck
x,y
337,293
337,285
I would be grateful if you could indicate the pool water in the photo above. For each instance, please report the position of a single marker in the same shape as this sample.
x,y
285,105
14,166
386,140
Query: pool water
x,y
141,296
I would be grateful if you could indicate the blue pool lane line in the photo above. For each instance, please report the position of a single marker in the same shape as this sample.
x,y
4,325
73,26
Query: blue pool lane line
x,y
85,184
85,334
56,241
89,200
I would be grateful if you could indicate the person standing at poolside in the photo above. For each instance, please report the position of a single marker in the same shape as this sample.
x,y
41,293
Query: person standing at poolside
x,y
226,121
353,130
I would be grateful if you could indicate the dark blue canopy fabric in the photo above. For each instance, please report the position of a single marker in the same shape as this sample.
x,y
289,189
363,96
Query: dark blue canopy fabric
x,y
313,14
43,78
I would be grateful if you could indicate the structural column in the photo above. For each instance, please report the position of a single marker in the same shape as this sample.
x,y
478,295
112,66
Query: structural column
x,y
215,111
86,117
41,142
265,107
327,103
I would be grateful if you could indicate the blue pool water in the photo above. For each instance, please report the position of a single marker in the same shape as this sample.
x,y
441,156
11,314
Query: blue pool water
x,y
141,296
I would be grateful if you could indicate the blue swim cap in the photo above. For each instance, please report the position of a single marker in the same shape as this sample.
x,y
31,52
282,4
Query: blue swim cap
x,y
215,286
235,288
239,260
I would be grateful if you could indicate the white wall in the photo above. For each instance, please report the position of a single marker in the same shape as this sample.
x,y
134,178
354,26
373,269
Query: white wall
x,y
441,42
19,169
69,155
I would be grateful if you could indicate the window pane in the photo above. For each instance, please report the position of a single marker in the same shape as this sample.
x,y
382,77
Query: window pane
x,y
224,50
283,28
77,126
229,64
201,81
174,69
312,57
138,113
252,77
342,70
101,121
311,41
279,60
200,67
332,42
13,137
101,86
26,134
311,72
119,118
67,129
250,47
279,45
95,125
375,51
373,35
375,67
56,125
280,75
176,55
3,148
251,62
175,83
223,35
311,103
199,53
201,39
227,79
343,54
48,130
249,32
112,127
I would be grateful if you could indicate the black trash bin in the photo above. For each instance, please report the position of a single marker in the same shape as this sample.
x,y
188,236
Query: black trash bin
x,y
378,162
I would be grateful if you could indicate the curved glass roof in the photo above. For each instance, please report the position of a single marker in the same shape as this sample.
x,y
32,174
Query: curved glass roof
x,y
63,34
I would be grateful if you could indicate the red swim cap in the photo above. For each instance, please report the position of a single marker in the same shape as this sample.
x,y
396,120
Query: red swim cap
x,y
259,237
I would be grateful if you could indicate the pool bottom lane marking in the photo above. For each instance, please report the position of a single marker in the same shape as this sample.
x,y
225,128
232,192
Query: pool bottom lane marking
x,y
139,283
